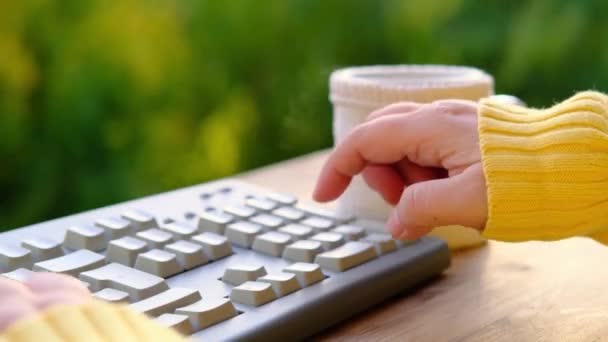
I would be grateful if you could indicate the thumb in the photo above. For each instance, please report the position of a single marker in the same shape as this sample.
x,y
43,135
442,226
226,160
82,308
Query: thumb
x,y
460,200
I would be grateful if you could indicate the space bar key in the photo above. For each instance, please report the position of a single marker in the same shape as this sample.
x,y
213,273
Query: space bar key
x,y
139,285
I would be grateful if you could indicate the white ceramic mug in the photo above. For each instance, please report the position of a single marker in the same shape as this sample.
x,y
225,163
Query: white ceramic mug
x,y
357,91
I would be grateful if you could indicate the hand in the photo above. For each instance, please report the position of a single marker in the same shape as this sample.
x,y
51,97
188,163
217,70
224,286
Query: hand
x,y
36,294
423,158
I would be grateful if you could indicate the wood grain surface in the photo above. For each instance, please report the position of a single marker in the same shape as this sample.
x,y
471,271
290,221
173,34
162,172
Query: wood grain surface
x,y
534,291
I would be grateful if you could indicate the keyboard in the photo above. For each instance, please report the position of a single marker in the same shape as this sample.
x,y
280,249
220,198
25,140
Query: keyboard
x,y
226,260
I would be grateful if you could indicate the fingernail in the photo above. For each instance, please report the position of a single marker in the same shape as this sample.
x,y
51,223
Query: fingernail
x,y
393,225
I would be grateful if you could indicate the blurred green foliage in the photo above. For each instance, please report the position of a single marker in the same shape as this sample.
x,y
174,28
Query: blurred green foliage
x,y
103,101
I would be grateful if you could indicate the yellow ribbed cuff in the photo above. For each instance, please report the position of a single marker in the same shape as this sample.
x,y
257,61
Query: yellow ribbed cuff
x,y
546,170
93,321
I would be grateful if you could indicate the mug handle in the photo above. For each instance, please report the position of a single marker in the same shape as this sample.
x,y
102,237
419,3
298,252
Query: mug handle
x,y
509,99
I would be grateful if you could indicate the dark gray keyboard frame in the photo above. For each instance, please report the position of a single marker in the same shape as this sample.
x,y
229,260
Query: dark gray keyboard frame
x,y
293,317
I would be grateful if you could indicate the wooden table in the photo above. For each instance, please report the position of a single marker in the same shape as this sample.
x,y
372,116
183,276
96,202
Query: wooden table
x,y
534,291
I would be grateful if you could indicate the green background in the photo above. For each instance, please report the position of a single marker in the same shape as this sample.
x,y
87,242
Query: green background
x,y
103,101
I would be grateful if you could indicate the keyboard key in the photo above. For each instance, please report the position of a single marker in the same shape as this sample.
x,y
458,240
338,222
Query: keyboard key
x,y
383,243
73,263
139,285
303,251
189,254
242,233
350,232
85,237
271,243
208,311
296,231
240,211
282,198
14,257
268,221
179,323
20,274
166,302
155,237
112,295
140,220
114,227
253,293
42,249
213,221
319,224
349,255
328,214
261,203
125,250
180,229
238,274
282,283
329,240
215,246
158,262
289,213
405,243
225,190
306,273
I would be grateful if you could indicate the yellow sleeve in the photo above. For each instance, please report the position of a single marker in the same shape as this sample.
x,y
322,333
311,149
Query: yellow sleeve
x,y
546,170
94,321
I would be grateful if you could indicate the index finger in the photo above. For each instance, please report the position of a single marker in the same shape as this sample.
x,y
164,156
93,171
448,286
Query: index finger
x,y
385,140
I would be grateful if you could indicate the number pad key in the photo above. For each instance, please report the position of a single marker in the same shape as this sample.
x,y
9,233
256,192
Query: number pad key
x,y
349,255
289,213
139,219
189,254
271,243
319,224
329,240
282,283
155,238
253,293
303,250
215,246
181,230
213,221
268,221
306,273
208,311
243,233
125,250
240,211
238,274
383,243
85,237
14,257
296,231
350,232
114,227
43,249
261,203
158,262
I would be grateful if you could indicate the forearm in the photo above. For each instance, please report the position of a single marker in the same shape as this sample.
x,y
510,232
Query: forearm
x,y
546,170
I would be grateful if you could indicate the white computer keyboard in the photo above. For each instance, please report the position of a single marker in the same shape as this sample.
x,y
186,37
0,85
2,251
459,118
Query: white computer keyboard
x,y
226,261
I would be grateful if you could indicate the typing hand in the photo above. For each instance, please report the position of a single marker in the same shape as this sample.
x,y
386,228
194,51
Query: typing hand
x,y
39,292
422,158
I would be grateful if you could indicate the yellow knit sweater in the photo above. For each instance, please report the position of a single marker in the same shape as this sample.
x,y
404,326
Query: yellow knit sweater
x,y
547,178
91,322
546,170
